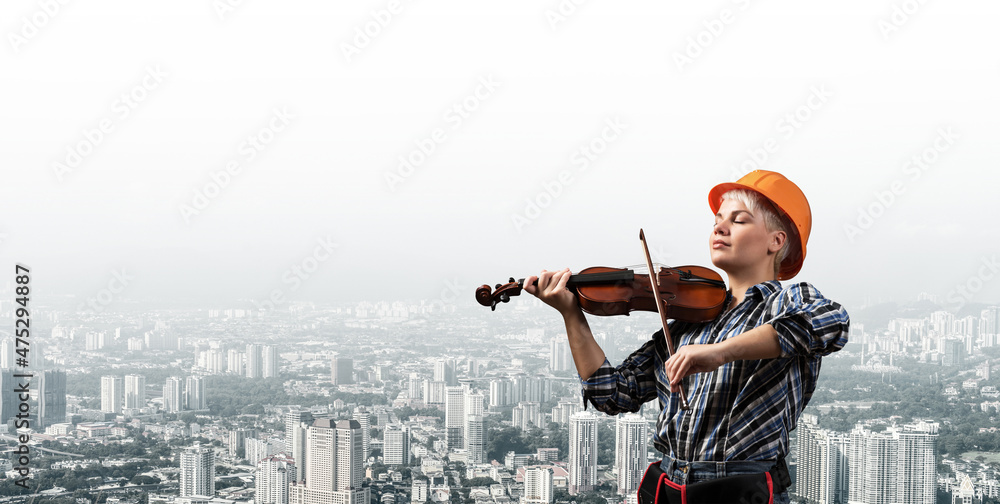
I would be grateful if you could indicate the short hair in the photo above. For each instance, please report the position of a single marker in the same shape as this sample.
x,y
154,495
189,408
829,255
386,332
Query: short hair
x,y
774,220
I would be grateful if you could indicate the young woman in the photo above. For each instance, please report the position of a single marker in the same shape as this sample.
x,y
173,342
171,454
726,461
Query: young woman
x,y
749,373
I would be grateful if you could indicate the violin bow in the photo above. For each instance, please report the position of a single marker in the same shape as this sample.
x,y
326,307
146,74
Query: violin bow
x,y
654,279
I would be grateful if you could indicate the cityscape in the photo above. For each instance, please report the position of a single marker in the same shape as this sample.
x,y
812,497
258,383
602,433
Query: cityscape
x,y
414,402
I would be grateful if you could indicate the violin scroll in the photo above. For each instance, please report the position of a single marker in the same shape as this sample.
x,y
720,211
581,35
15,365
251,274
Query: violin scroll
x,y
487,297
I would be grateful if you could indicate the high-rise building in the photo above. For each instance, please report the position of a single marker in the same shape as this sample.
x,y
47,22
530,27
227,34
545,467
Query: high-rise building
x,y
7,353
111,394
538,485
296,426
237,441
527,415
475,439
235,361
274,474
822,473
415,386
500,392
135,391
364,419
198,471
397,445
563,410
454,417
342,372
444,370
8,402
269,361
560,357
582,452
255,450
334,470
474,432
630,451
173,395
894,466
51,386
194,393
254,361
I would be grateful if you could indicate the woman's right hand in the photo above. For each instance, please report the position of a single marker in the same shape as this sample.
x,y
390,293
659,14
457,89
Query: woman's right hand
x,y
551,289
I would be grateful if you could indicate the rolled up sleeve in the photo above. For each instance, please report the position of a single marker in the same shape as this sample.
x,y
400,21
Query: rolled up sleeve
x,y
614,390
806,322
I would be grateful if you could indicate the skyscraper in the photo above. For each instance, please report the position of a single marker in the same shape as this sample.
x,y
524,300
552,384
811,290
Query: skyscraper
x,y
296,427
198,471
194,392
894,466
135,391
7,353
582,452
269,361
254,361
560,357
444,370
630,451
822,473
397,445
334,471
342,371
454,417
538,485
111,394
274,473
8,402
364,419
173,395
475,439
51,385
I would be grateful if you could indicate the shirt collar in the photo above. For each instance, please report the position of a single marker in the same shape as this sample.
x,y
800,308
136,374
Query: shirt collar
x,y
763,289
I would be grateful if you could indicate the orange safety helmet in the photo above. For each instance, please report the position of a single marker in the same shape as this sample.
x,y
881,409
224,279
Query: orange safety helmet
x,y
787,198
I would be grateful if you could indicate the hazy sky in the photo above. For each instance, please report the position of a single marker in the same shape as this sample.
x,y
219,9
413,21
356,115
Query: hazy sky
x,y
120,120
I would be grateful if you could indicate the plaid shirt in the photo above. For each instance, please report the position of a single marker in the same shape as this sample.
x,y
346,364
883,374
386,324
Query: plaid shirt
x,y
743,410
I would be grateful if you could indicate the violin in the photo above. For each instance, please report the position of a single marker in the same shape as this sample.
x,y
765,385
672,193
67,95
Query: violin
x,y
685,293
689,293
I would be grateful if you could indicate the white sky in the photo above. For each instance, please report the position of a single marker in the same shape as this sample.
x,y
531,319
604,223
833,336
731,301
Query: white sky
x,y
449,223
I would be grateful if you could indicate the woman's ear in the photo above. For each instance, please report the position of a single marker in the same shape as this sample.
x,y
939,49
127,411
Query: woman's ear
x,y
778,239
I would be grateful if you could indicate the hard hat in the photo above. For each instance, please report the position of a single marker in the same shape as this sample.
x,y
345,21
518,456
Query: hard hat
x,y
787,198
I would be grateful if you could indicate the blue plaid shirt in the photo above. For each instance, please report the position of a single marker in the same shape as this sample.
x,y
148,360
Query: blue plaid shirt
x,y
743,410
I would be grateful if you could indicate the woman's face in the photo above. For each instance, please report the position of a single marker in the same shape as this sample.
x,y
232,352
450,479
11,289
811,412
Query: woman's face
x,y
740,241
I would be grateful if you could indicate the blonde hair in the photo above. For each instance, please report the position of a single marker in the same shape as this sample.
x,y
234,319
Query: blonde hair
x,y
774,220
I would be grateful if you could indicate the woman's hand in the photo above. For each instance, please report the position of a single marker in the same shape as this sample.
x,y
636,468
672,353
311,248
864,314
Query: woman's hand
x,y
551,289
690,359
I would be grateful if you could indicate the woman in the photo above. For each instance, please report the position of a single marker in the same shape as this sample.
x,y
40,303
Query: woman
x,y
749,373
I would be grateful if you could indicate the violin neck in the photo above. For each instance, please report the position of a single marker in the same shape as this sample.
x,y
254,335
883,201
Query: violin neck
x,y
594,278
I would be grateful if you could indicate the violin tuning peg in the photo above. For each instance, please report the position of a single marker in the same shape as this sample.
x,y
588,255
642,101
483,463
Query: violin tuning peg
x,y
505,297
511,280
498,286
